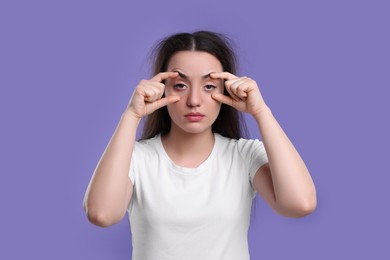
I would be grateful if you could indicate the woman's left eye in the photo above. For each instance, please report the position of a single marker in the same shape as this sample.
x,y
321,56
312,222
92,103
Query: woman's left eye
x,y
210,87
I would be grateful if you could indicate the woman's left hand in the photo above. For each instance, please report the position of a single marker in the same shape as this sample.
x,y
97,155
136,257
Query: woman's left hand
x,y
244,93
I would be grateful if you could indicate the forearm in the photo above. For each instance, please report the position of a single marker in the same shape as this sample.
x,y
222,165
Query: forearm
x,y
105,198
293,186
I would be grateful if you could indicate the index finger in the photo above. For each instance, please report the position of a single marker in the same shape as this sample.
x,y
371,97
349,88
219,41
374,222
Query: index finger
x,y
223,75
164,75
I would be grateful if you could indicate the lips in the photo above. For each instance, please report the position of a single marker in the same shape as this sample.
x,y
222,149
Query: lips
x,y
194,116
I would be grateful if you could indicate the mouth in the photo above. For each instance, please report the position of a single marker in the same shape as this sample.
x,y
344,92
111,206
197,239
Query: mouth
x,y
194,116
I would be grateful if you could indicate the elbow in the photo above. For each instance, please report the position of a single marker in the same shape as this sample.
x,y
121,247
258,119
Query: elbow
x,y
305,209
101,218
304,206
299,210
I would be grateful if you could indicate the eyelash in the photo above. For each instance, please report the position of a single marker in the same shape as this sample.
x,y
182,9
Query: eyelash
x,y
212,87
181,86
176,86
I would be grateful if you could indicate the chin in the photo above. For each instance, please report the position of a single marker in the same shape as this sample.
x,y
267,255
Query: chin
x,y
195,130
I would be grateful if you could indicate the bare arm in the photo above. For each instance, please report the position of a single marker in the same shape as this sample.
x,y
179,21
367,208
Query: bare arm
x,y
110,189
284,182
287,177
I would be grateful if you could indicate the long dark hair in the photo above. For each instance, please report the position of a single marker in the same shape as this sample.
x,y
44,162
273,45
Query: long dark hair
x,y
229,122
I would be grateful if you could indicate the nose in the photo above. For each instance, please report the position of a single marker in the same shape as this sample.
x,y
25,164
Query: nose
x,y
194,97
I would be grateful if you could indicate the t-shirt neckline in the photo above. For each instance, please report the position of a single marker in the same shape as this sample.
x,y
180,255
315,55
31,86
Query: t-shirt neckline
x,y
204,165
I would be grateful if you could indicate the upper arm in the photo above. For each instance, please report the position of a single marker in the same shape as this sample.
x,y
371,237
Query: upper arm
x,y
263,184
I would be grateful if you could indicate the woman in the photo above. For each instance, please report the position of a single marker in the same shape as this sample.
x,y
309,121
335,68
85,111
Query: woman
x,y
189,182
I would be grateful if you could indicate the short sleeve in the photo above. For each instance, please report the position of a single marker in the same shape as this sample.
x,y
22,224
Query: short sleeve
x,y
254,153
131,174
134,155
258,158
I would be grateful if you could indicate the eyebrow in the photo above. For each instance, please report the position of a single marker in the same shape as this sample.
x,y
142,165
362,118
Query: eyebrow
x,y
184,76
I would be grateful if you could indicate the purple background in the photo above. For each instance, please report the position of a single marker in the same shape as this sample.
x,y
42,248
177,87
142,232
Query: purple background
x,y
68,69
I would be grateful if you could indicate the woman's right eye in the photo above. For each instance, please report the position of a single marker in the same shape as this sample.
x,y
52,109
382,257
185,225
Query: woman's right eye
x,y
179,86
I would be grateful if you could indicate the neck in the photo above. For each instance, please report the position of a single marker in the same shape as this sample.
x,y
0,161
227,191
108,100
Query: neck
x,y
181,146
182,141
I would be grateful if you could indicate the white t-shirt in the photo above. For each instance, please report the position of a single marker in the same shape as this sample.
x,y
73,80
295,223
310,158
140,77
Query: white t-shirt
x,y
180,213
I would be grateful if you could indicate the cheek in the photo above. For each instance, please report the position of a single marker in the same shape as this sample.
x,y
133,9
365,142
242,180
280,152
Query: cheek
x,y
213,104
175,108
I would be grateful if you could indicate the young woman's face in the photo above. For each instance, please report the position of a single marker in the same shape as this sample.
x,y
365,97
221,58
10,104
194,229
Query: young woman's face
x,y
196,111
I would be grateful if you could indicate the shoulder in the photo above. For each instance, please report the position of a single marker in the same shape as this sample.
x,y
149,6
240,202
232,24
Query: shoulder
x,y
149,142
242,145
150,145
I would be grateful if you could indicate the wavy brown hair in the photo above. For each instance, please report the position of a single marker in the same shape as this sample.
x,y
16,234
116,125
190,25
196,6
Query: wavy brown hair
x,y
229,122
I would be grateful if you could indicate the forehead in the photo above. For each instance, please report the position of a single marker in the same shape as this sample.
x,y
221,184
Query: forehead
x,y
194,63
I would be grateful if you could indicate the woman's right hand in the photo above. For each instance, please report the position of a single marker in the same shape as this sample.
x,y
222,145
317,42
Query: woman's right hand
x,y
147,95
